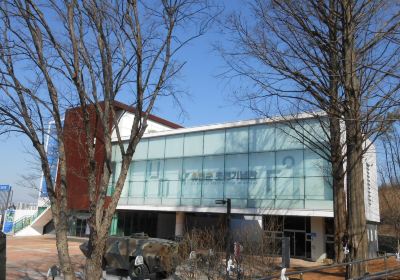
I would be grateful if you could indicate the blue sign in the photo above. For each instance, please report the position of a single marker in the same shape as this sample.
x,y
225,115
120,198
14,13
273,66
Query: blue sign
x,y
5,188
9,220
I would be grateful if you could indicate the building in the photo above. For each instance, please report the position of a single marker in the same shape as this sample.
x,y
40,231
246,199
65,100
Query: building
x,y
262,165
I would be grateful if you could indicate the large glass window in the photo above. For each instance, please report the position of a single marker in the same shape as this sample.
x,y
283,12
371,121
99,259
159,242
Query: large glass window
x,y
137,189
289,163
154,175
318,188
256,166
316,127
155,169
236,188
138,170
193,144
153,188
191,189
116,152
156,147
174,146
141,150
172,178
213,168
236,167
213,175
290,188
237,140
262,138
192,168
262,188
172,189
213,189
192,175
262,165
315,165
236,176
214,142
289,136
172,169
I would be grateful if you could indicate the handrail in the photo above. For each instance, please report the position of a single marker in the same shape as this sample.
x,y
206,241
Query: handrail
x,y
27,220
22,218
22,223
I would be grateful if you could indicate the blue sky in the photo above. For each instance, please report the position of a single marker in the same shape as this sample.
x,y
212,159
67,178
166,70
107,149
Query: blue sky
x,y
207,101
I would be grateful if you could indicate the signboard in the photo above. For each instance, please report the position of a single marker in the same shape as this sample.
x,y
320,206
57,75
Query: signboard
x,y
5,188
9,220
52,157
5,193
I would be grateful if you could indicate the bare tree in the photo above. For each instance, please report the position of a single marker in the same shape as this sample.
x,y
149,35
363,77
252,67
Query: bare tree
x,y
389,207
59,54
370,80
336,56
282,56
390,143
389,192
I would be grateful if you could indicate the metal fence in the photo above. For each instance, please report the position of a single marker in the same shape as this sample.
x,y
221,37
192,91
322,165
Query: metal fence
x,y
385,273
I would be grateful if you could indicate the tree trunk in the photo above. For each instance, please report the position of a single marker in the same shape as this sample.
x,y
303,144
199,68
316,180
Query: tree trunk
x,y
94,263
336,156
355,190
339,194
358,243
93,267
61,228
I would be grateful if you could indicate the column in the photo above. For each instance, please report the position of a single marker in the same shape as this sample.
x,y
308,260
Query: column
x,y
318,239
179,223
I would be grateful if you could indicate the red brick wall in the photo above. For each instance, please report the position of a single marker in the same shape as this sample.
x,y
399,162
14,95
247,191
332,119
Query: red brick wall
x,y
77,156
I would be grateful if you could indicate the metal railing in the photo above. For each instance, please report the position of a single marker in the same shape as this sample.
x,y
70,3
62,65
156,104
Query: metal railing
x,y
383,274
27,220
22,223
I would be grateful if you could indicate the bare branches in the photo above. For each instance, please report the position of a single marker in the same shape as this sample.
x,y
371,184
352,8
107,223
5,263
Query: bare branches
x,y
340,57
88,54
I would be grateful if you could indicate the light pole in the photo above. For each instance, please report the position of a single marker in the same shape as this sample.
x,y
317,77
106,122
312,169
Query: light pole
x,y
228,230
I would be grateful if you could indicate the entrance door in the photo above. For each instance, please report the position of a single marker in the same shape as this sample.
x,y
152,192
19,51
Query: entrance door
x,y
297,243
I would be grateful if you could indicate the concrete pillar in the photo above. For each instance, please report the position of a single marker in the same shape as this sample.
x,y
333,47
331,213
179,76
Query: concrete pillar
x,y
179,223
318,252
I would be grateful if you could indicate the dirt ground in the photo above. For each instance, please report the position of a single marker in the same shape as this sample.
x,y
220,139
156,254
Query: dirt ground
x,y
30,258
337,273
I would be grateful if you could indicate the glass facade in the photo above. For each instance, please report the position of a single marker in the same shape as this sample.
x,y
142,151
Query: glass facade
x,y
257,166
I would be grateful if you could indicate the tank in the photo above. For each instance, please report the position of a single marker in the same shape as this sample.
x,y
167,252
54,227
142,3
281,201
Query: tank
x,y
142,256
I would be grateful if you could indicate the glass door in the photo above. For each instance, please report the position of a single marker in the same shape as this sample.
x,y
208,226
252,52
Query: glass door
x,y
297,243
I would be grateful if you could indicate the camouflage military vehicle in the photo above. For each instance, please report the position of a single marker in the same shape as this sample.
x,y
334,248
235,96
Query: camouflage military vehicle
x,y
142,256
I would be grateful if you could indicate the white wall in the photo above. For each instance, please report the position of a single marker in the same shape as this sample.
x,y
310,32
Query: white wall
x,y
371,196
125,125
19,213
